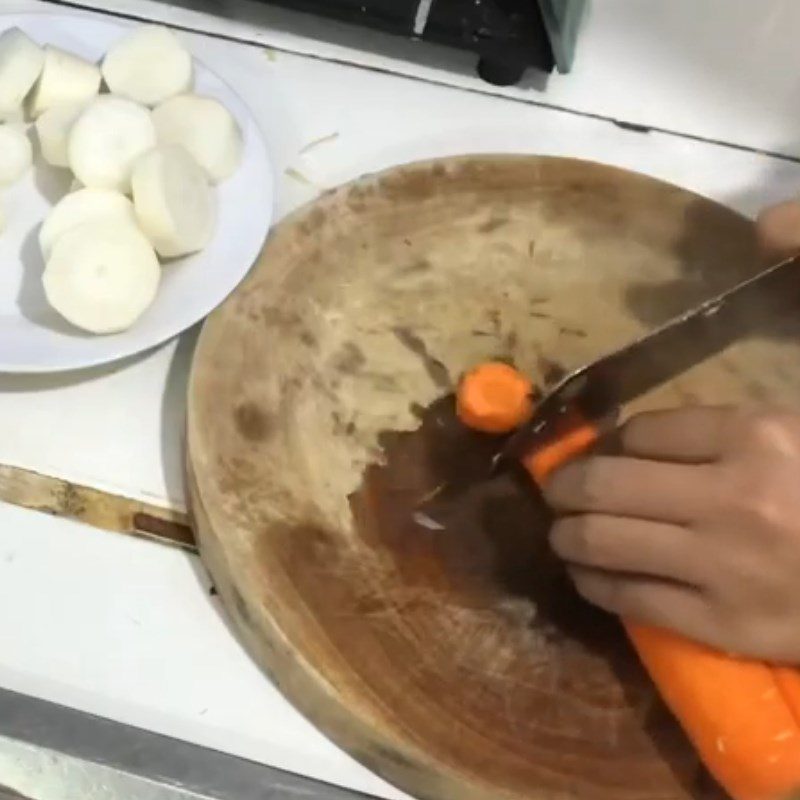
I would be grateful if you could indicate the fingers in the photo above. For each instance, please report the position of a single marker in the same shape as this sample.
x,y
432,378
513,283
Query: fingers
x,y
691,435
624,545
630,487
646,600
778,231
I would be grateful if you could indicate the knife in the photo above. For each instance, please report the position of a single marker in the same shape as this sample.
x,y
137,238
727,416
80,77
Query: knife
x,y
597,389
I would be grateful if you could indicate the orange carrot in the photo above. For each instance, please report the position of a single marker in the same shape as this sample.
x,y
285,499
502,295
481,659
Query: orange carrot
x,y
743,717
732,710
572,438
494,398
788,679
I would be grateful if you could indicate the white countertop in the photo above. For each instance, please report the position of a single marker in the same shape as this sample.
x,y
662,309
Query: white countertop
x,y
126,629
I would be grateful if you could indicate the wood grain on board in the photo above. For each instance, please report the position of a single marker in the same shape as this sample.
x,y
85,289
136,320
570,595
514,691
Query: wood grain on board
x,y
399,597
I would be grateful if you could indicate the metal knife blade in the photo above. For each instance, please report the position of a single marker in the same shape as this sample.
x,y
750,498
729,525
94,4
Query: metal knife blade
x,y
596,389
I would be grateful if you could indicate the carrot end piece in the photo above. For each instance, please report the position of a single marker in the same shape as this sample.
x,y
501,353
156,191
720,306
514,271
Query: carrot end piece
x,y
575,440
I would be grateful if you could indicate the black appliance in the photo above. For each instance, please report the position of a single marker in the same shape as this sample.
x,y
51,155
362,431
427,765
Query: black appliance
x,y
508,36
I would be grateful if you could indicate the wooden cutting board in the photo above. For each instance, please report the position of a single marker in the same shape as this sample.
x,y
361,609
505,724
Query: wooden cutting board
x,y
404,602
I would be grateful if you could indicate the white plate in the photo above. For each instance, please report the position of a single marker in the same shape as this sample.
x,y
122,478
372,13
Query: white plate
x,y
33,338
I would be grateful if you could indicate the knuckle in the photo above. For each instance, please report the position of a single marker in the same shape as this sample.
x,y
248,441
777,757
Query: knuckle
x,y
772,430
765,508
755,498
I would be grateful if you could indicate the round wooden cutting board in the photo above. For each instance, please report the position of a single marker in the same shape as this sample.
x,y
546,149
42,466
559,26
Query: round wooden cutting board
x,y
402,600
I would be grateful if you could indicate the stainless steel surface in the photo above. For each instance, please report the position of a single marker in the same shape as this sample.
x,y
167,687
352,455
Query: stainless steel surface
x,y
687,339
48,752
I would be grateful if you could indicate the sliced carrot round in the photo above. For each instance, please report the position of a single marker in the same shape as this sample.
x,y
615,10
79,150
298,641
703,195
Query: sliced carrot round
x,y
494,398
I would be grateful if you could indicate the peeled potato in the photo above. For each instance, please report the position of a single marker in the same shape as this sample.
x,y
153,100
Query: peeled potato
x,y
173,200
148,66
21,62
106,139
205,128
80,207
16,154
65,79
102,276
53,129
15,114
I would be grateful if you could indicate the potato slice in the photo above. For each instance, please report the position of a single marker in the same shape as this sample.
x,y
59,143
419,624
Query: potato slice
x,y
53,129
148,66
16,153
65,79
205,128
15,115
82,206
106,139
102,276
173,200
21,61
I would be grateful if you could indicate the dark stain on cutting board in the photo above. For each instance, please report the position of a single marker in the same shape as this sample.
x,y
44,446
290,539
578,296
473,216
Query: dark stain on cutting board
x,y
462,562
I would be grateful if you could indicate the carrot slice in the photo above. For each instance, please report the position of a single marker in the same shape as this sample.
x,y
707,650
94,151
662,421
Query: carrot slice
x,y
743,717
494,398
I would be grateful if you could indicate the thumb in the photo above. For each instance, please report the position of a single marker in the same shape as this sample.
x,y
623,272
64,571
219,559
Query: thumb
x,y
778,231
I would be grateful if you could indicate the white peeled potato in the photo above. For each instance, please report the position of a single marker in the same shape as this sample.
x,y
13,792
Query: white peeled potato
x,y
106,139
173,200
102,276
21,62
16,154
80,207
15,114
148,66
205,128
53,128
66,78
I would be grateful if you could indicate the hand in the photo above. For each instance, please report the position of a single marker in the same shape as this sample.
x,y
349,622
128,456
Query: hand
x,y
694,527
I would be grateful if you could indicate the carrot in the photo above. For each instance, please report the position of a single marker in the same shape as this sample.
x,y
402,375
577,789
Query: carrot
x,y
732,711
494,398
788,679
743,717
572,437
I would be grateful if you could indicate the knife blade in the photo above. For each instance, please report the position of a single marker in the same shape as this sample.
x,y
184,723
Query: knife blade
x,y
689,338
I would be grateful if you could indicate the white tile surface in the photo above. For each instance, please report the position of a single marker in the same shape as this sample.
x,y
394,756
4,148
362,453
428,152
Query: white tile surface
x,y
145,644
125,629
